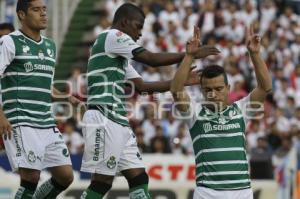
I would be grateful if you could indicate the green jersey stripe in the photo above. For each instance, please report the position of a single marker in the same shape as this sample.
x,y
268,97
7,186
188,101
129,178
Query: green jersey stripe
x,y
27,102
27,89
90,97
219,150
27,57
30,118
34,124
27,111
225,181
222,162
108,84
220,135
9,74
97,55
96,72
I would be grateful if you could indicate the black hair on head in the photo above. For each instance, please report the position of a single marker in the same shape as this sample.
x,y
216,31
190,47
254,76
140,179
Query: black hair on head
x,y
213,71
129,11
23,5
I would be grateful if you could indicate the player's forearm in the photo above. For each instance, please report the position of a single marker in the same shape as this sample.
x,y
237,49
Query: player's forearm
x,y
164,59
177,84
263,78
150,87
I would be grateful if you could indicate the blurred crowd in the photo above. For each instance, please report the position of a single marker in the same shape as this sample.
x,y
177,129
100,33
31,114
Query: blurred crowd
x,y
168,26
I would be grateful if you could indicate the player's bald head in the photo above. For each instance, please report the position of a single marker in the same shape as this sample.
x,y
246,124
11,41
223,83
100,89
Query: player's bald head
x,y
128,11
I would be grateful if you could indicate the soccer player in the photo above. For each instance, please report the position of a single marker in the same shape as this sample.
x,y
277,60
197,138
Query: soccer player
x,y
217,128
31,138
110,144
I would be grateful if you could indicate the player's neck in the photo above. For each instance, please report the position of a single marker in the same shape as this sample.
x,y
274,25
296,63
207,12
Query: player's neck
x,y
117,27
32,34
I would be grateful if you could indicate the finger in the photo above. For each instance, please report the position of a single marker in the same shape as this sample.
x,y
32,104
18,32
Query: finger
x,y
195,33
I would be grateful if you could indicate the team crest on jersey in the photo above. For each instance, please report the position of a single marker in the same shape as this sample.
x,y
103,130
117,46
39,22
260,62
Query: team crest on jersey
x,y
41,55
111,163
28,67
50,53
31,157
25,49
48,44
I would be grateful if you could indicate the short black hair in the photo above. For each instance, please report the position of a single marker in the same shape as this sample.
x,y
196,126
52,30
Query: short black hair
x,y
7,26
127,10
23,5
212,71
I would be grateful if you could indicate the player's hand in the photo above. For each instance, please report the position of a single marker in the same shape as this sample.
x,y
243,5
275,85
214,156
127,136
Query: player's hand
x,y
196,50
253,40
194,77
5,127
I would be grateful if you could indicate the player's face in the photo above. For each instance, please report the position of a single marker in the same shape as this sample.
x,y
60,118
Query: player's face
x,y
215,90
134,28
36,17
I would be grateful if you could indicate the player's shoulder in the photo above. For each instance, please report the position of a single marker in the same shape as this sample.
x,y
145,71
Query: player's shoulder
x,y
114,34
48,41
8,39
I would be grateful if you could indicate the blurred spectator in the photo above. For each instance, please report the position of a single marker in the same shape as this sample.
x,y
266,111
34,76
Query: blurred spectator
x,y
6,28
77,84
253,134
159,143
181,142
261,160
103,25
72,138
143,148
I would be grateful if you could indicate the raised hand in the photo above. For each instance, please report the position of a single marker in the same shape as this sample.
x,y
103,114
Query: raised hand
x,y
253,40
194,48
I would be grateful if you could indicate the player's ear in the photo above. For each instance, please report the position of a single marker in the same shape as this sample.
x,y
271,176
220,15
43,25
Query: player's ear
x,y
124,23
21,15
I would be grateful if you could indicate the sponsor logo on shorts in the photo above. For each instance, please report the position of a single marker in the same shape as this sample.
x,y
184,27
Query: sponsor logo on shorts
x,y
31,157
18,154
65,152
111,163
99,144
139,156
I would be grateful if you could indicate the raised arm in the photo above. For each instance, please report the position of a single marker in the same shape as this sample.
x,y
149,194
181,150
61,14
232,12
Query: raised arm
x,y
264,82
193,50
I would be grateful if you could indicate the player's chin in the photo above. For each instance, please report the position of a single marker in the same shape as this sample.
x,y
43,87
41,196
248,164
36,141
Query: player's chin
x,y
43,26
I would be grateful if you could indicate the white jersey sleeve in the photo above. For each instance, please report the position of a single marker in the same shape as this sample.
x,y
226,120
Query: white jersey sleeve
x,y
7,52
118,43
131,73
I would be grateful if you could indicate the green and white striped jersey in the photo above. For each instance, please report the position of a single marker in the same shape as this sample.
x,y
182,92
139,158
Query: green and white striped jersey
x,y
107,71
219,146
27,70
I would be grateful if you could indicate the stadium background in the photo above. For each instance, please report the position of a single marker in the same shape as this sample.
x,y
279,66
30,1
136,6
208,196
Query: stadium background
x,y
273,142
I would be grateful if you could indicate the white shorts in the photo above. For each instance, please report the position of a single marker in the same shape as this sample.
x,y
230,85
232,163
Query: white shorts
x,y
207,193
109,146
36,148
